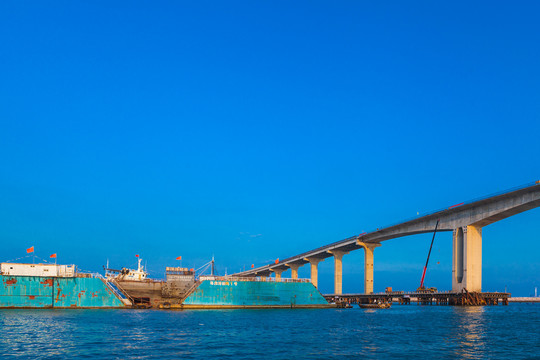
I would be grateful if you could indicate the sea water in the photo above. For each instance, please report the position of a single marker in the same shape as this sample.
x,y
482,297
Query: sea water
x,y
403,331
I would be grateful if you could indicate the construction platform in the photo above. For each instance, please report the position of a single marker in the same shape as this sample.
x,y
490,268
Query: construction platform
x,y
464,298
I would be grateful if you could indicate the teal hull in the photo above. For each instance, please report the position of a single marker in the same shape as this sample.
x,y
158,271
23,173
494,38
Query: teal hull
x,y
240,294
55,292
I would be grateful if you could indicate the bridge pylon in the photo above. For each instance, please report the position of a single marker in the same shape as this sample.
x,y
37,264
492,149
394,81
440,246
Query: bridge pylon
x,y
294,270
369,248
314,262
338,270
467,259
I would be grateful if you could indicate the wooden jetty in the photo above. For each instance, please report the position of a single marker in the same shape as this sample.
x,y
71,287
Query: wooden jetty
x,y
463,298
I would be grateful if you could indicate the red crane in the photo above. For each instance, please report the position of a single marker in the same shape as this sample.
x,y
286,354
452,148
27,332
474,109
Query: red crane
x,y
427,260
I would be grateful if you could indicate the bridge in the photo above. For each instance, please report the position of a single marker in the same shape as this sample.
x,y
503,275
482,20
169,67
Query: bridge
x,y
465,220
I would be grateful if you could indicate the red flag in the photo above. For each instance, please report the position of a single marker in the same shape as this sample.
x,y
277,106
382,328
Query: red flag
x,y
136,255
30,250
252,266
179,258
53,256
277,260
192,269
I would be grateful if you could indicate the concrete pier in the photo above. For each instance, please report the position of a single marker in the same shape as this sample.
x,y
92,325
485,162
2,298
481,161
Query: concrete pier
x,y
278,272
338,270
467,259
368,265
294,270
314,262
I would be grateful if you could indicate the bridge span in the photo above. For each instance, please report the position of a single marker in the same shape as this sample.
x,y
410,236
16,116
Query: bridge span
x,y
465,220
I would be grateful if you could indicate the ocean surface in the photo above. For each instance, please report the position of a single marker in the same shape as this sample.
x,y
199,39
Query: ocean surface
x,y
406,331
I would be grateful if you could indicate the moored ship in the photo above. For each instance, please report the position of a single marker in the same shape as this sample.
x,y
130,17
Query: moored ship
x,y
55,286
150,293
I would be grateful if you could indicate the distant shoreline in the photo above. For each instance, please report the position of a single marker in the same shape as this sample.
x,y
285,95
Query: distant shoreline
x,y
524,299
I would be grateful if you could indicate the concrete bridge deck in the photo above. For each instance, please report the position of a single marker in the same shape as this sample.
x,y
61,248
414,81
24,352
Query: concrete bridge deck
x,y
465,220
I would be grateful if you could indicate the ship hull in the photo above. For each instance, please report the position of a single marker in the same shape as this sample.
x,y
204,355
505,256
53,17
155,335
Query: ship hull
x,y
56,292
253,294
146,292
151,293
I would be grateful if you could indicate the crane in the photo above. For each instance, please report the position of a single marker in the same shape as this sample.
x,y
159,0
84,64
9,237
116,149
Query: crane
x,y
422,288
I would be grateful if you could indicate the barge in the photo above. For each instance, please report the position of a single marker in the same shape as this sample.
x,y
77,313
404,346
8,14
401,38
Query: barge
x,y
55,286
214,292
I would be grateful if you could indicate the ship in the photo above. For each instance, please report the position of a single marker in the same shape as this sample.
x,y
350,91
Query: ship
x,y
144,292
183,289
55,286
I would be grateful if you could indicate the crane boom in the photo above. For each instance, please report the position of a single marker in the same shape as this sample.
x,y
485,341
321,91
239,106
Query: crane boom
x,y
429,253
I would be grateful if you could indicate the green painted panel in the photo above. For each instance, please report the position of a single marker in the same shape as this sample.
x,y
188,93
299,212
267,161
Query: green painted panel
x,y
255,293
39,292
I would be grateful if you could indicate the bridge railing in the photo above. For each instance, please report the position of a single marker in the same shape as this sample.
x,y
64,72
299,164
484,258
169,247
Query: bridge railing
x,y
318,249
468,202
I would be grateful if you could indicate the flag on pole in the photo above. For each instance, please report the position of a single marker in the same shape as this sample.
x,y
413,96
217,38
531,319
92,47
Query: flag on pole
x,y
53,256
179,258
30,250
136,255
277,260
252,266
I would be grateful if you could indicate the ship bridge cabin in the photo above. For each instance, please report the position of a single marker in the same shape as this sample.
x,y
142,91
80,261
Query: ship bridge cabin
x,y
179,273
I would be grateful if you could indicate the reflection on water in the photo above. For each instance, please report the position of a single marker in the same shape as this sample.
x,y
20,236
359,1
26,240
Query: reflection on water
x,y
411,331
470,331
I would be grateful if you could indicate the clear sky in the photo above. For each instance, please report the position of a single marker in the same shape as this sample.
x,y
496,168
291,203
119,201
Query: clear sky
x,y
258,130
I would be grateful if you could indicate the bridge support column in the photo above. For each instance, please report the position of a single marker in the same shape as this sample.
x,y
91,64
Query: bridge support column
x,y
368,265
338,270
314,262
467,259
294,270
278,273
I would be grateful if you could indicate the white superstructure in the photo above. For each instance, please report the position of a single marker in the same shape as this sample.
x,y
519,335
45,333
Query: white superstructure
x,y
127,274
37,270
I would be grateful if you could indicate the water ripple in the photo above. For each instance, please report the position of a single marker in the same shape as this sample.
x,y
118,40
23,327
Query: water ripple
x,y
400,332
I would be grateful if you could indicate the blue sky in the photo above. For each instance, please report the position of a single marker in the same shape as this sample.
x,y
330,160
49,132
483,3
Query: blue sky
x,y
258,130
